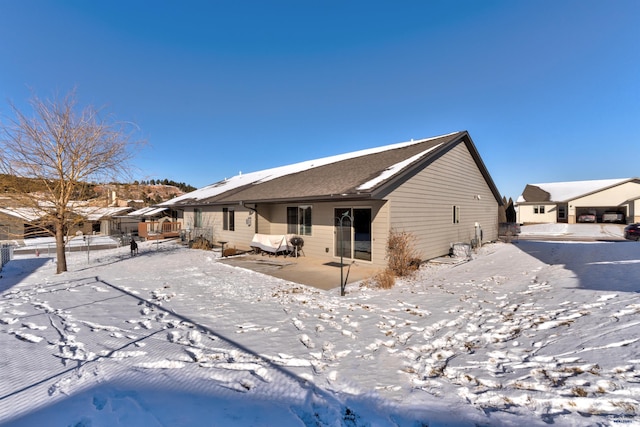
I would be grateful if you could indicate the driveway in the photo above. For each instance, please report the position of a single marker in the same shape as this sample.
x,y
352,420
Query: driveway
x,y
574,232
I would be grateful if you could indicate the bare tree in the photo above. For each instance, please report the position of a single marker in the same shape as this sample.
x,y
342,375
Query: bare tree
x,y
63,148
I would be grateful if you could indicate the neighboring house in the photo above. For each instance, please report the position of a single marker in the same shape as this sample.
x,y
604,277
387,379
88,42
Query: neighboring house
x,y
152,222
100,220
19,222
437,189
568,201
15,223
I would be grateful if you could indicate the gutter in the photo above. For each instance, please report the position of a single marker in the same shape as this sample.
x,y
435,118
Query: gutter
x,y
253,209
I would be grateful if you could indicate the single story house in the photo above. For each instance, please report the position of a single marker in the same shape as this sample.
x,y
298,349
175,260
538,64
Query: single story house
x,y
566,202
437,189
17,223
152,222
101,220
21,222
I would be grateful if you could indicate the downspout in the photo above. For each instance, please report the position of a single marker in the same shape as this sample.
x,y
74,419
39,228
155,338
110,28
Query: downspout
x,y
255,211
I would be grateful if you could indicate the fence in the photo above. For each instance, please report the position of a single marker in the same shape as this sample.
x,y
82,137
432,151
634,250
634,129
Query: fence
x,y
6,255
77,244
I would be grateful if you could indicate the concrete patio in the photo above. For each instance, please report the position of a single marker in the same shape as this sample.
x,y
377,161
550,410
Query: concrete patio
x,y
304,270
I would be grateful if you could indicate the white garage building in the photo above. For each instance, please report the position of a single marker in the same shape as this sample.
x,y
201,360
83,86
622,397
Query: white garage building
x,y
569,202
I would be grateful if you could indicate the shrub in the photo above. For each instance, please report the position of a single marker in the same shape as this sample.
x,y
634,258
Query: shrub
x,y
200,243
229,252
384,279
402,258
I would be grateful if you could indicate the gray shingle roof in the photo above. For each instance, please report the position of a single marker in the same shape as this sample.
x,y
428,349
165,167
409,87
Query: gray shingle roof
x,y
340,178
534,193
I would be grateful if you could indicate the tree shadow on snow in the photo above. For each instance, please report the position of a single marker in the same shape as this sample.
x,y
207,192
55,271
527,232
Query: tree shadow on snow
x,y
138,398
17,269
126,402
602,266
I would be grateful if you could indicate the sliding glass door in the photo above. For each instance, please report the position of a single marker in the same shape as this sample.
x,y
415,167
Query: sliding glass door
x,y
362,234
353,233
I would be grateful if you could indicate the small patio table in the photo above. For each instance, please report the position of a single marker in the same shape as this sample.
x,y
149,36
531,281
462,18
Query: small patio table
x,y
223,242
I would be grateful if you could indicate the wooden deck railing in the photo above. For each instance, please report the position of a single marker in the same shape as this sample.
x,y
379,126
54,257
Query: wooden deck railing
x,y
159,230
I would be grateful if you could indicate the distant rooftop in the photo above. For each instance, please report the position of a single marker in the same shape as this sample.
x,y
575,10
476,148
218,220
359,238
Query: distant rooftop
x,y
564,191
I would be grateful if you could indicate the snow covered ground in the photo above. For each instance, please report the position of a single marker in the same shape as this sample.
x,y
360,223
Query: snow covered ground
x,y
531,333
75,242
578,231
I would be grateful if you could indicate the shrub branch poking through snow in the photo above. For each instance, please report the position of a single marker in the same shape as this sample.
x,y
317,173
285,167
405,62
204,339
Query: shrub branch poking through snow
x,y
201,242
402,259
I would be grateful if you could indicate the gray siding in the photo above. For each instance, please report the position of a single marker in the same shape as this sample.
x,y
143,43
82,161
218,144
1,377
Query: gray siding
x,y
239,238
272,220
423,205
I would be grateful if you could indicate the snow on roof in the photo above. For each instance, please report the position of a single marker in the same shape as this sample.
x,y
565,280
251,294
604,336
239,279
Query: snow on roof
x,y
392,170
154,211
97,213
563,191
141,211
26,214
273,173
30,214
147,211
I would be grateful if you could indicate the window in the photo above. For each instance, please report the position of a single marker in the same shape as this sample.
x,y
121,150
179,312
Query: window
x,y
304,218
228,219
456,214
538,209
197,218
299,220
292,220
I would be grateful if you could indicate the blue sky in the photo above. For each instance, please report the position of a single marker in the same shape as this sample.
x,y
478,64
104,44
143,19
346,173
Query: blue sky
x,y
548,89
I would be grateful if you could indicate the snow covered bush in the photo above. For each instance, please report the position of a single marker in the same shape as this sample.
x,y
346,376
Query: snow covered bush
x,y
402,257
402,260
